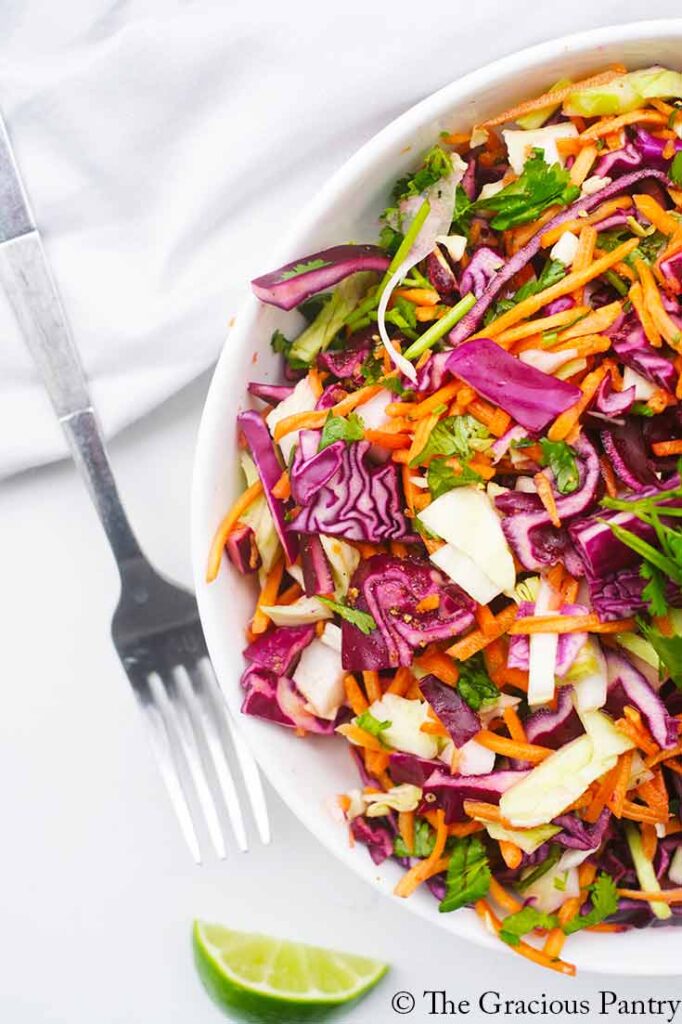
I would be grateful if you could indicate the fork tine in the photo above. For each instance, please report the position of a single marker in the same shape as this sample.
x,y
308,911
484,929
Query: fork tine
x,y
162,744
216,747
193,740
245,759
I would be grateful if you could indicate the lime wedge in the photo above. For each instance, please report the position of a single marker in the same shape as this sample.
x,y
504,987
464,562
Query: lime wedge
x,y
262,979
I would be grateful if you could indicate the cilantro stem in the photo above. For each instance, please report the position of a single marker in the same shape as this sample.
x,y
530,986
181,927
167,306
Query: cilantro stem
x,y
441,327
647,551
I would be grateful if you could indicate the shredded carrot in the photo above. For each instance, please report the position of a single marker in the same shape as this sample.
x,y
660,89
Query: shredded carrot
x,y
616,800
652,299
582,165
504,898
354,734
567,285
512,855
655,213
496,420
554,943
282,488
465,828
482,811
419,296
608,125
226,526
267,596
477,640
390,441
438,664
584,254
488,916
636,812
434,729
315,418
536,327
315,381
421,435
566,421
290,595
377,761
588,623
636,297
546,495
417,410
649,841
512,748
343,800
587,872
604,791
667,447
401,683
420,872
552,98
372,686
664,896
514,725
608,208
486,620
596,322
406,828
569,909
354,695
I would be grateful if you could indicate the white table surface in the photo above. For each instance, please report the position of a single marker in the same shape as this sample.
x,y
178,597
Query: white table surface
x,y
97,891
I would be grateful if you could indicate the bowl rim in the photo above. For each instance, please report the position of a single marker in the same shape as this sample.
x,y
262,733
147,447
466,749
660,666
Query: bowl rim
x,y
371,152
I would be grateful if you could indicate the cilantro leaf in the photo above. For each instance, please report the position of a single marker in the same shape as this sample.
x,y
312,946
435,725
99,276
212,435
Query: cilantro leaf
x,y
442,478
668,649
424,841
538,186
372,725
654,591
435,165
561,459
648,247
338,428
604,903
303,268
469,874
363,620
552,272
463,212
514,926
455,435
475,685
390,239
280,344
642,409
676,169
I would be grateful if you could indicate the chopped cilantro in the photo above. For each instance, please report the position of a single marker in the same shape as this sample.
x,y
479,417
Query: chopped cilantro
x,y
676,169
441,477
514,926
475,685
562,461
538,186
455,435
281,344
469,876
654,591
338,428
604,903
552,272
363,620
303,268
668,649
424,840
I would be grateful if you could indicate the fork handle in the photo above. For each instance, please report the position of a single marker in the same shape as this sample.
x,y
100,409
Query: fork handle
x,y
26,278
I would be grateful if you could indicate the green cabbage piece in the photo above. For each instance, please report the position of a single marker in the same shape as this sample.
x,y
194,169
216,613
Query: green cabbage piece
x,y
536,118
625,93
331,318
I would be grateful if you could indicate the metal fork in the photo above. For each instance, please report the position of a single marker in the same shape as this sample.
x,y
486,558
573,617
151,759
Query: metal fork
x,y
155,628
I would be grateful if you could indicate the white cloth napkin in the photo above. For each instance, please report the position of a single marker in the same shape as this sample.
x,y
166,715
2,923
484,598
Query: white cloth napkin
x,y
167,145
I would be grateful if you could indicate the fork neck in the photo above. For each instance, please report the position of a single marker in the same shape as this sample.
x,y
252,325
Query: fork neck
x,y
90,456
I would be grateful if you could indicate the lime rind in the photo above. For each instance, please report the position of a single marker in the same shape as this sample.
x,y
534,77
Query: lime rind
x,y
262,979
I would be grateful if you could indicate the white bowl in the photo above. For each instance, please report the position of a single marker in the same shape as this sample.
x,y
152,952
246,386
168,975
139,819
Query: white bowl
x,y
308,773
